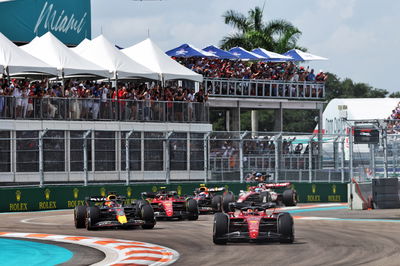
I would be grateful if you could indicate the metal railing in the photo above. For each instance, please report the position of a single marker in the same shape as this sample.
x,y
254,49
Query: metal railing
x,y
58,108
305,90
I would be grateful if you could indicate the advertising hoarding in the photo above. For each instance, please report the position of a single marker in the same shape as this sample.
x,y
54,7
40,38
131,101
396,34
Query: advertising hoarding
x,y
68,20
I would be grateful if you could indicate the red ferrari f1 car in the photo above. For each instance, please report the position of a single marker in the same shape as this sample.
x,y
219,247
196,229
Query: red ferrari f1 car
x,y
168,204
264,192
253,224
112,211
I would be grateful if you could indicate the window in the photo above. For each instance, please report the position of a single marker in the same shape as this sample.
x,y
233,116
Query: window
x,y
104,151
153,151
54,151
196,151
5,141
134,151
27,151
178,151
76,150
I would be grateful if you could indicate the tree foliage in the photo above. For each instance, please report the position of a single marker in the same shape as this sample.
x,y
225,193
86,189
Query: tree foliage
x,y
252,32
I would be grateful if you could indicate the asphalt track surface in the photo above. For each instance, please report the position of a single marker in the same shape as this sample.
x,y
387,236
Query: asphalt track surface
x,y
360,238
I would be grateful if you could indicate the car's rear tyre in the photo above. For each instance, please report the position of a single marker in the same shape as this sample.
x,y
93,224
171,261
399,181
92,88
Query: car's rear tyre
x,y
221,228
216,203
92,217
139,204
285,228
192,209
147,214
226,200
289,197
265,197
80,216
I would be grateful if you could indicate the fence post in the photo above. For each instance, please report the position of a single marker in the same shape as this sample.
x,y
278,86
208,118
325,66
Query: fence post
x,y
127,163
342,160
242,136
41,168
85,157
167,162
205,150
310,161
277,150
351,153
385,159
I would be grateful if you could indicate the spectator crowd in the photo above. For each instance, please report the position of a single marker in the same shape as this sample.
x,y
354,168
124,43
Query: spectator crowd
x,y
98,100
284,71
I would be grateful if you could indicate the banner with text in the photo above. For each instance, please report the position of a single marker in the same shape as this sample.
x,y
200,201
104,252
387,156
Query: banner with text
x,y
23,20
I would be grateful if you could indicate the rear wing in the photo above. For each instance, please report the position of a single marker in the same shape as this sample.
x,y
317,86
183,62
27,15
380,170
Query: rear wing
x,y
97,199
275,185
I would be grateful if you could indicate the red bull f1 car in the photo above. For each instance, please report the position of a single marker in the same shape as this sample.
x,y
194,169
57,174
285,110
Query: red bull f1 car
x,y
212,200
168,205
264,192
112,211
252,224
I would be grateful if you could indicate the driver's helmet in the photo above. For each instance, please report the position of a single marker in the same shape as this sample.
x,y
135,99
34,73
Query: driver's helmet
x,y
258,189
203,189
110,201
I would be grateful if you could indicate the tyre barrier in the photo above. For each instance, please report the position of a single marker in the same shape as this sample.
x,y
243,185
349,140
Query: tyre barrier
x,y
385,193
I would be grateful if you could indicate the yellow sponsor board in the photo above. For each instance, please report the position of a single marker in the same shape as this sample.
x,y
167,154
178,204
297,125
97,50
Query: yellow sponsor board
x,y
74,203
47,205
313,198
334,198
20,206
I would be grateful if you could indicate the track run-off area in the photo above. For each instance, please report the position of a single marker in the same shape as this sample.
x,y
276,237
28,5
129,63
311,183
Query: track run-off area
x,y
325,234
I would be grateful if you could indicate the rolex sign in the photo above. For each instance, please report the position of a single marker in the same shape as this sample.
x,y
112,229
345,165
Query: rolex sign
x,y
68,20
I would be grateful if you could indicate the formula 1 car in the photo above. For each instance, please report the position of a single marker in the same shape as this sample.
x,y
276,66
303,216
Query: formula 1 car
x,y
253,224
209,200
112,211
168,205
263,193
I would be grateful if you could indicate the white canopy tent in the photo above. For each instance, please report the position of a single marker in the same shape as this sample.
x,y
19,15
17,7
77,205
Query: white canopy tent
x,y
14,60
102,52
151,56
52,51
356,109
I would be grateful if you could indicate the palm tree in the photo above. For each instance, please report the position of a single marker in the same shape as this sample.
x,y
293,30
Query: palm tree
x,y
276,35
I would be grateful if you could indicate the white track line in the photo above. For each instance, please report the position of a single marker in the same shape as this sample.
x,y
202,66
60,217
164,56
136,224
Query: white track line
x,y
29,220
117,251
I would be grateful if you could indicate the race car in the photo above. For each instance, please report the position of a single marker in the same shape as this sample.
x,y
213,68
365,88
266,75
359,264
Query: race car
x,y
112,211
253,224
263,193
209,200
168,205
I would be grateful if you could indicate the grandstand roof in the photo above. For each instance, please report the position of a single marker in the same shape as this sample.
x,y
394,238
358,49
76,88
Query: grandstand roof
x,y
103,53
53,52
151,56
19,61
361,108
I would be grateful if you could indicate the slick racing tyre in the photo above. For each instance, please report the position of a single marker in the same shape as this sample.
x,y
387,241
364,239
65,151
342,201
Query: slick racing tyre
x,y
92,217
80,216
221,228
289,197
139,204
226,200
192,209
216,203
285,228
147,214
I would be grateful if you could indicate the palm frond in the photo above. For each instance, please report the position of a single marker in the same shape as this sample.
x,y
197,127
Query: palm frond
x,y
236,20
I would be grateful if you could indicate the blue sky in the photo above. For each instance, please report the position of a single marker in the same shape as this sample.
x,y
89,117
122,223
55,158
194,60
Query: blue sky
x,y
360,37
